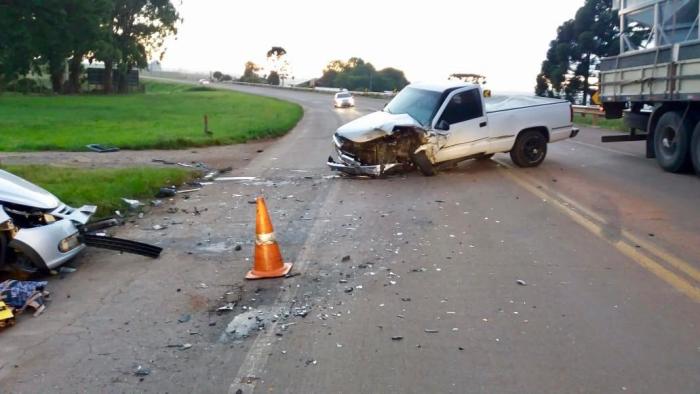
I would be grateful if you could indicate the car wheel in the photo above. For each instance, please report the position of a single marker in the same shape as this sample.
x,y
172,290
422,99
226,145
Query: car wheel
x,y
424,165
672,142
695,148
530,149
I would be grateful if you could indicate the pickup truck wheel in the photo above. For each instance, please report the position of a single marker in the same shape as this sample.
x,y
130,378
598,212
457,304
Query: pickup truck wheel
x,y
695,149
424,165
672,142
530,149
487,156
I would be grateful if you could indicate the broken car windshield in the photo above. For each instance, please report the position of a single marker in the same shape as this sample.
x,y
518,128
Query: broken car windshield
x,y
419,104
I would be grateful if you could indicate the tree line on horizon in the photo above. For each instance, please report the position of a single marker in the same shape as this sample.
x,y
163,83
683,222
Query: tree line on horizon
x,y
354,74
55,37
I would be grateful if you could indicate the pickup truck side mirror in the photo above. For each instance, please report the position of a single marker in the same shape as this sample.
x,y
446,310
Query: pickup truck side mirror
x,y
442,125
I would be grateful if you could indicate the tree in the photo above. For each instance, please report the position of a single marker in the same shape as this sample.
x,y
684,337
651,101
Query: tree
x,y
86,19
17,52
356,74
138,30
273,78
250,73
575,53
217,75
226,77
278,65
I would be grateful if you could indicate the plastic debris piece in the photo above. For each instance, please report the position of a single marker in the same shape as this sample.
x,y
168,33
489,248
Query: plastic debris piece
x,y
165,192
521,282
102,148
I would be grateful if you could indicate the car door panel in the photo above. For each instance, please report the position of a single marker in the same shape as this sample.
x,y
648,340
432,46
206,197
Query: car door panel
x,y
469,130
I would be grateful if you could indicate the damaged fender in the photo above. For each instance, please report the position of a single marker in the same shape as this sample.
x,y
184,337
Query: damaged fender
x,y
381,143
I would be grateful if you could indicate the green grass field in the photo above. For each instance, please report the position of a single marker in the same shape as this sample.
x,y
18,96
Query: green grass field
x,y
101,187
610,124
167,116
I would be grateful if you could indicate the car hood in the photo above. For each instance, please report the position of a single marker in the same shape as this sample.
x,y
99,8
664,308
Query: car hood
x,y
375,125
16,190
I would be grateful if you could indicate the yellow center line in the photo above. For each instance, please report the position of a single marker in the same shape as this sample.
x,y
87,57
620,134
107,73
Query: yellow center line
x,y
626,246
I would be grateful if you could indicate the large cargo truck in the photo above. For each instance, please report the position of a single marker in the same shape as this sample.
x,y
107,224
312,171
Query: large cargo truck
x,y
655,81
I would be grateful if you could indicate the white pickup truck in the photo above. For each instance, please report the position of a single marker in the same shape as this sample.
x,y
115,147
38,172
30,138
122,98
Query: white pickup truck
x,y
431,125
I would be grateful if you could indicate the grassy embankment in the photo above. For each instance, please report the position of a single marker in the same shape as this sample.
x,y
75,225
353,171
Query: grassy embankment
x,y
167,116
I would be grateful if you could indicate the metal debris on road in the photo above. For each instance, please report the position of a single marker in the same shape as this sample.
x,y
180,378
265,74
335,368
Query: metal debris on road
x,y
142,371
133,204
345,259
521,282
349,289
226,308
184,318
301,311
189,190
234,178
396,338
431,331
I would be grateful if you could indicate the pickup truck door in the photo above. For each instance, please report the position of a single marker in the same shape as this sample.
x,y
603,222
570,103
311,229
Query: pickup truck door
x,y
468,132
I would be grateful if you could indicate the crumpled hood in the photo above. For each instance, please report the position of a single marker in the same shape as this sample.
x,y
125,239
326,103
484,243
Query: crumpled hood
x,y
375,125
16,190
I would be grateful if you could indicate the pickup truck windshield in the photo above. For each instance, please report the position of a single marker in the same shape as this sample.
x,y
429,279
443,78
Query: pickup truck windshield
x,y
418,103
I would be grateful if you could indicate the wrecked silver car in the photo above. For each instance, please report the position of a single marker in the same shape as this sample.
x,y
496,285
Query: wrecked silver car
x,y
431,125
38,232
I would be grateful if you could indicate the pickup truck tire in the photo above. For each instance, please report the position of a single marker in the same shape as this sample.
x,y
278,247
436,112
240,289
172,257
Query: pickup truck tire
x,y
530,149
424,165
672,142
695,148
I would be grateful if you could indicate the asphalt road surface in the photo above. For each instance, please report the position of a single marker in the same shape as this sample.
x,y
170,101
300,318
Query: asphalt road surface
x,y
579,276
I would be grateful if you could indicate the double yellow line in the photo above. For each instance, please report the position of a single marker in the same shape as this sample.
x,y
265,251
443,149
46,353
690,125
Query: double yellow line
x,y
669,268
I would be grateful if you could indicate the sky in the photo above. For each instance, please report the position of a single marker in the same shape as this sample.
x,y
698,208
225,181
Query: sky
x,y
505,40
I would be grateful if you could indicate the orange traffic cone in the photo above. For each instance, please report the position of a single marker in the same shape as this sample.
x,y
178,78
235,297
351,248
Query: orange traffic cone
x,y
268,259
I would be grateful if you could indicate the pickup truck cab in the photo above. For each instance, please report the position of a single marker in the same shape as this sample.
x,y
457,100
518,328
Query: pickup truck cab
x,y
428,125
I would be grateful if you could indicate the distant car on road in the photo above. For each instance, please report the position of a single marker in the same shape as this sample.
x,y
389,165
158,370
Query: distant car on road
x,y
204,82
343,99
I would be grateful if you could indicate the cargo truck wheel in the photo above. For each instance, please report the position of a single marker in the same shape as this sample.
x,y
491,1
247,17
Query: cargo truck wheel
x,y
695,149
424,165
530,149
672,142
